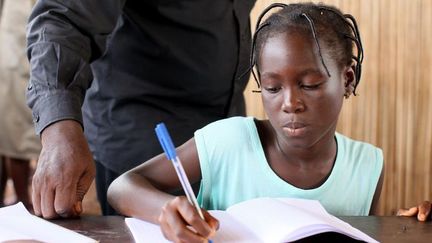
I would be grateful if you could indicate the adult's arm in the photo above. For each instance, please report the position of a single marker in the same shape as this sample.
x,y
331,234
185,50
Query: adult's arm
x,y
64,37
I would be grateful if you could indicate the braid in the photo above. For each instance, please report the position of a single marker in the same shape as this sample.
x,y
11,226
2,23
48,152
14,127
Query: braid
x,y
338,31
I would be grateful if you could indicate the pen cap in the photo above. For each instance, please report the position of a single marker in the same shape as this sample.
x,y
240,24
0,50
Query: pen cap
x,y
165,141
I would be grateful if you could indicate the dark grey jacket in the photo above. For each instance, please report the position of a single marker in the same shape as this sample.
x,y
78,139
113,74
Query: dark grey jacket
x,y
120,67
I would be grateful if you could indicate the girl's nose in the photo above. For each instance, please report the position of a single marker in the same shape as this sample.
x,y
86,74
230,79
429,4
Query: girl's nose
x,y
293,102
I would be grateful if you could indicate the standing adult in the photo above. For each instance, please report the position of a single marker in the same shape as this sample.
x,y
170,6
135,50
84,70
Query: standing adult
x,y
136,63
18,143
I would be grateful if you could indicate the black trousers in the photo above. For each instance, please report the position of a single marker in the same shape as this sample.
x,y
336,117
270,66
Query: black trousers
x,y
104,177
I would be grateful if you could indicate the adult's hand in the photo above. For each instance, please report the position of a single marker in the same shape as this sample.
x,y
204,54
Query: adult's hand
x,y
64,171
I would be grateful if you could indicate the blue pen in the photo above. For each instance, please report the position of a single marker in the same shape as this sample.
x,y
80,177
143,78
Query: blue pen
x,y
168,147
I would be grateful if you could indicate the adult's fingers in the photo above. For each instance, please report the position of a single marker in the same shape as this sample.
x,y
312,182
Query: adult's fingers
x,y
78,207
83,186
47,202
65,198
85,181
36,198
43,191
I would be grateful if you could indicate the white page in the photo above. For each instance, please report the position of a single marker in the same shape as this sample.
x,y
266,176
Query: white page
x,y
306,204
273,220
230,230
338,225
17,222
9,235
276,220
145,232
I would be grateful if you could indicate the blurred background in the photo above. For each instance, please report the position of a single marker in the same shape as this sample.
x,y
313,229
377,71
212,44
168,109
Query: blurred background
x,y
393,109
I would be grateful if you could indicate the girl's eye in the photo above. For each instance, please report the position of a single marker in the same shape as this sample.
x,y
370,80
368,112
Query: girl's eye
x,y
272,89
311,87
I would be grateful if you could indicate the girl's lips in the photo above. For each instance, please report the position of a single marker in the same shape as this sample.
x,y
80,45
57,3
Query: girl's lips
x,y
294,125
295,129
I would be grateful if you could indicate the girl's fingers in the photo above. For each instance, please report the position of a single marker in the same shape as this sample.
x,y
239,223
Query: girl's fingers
x,y
179,220
181,232
424,210
191,217
212,221
407,212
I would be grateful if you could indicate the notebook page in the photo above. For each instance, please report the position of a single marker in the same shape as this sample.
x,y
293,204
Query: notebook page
x,y
230,230
9,235
144,232
313,206
272,220
337,225
281,220
16,221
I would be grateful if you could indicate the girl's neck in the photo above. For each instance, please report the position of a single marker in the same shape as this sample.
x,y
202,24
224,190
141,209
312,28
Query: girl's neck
x,y
278,151
302,167
323,151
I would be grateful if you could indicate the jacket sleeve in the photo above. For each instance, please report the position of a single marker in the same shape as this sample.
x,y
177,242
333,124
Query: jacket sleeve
x,y
63,38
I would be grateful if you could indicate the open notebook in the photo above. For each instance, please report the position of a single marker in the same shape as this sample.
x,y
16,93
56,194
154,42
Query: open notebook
x,y
17,224
263,220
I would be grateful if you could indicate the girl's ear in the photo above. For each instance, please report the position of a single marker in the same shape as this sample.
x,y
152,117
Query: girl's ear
x,y
350,81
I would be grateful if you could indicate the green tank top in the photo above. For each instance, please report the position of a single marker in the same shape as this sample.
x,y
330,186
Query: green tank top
x,y
234,169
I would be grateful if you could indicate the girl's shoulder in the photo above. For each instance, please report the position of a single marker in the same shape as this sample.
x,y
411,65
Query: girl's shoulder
x,y
350,143
359,151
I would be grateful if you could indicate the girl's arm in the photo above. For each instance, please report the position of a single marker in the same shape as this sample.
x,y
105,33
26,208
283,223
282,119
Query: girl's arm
x,y
374,206
143,193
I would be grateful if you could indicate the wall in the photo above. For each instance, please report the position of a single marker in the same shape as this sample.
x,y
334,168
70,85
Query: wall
x,y
394,107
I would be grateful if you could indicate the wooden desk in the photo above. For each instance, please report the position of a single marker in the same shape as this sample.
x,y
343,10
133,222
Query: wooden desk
x,y
393,229
101,228
384,229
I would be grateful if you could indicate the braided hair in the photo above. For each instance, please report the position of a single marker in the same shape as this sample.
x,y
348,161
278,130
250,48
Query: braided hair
x,y
327,24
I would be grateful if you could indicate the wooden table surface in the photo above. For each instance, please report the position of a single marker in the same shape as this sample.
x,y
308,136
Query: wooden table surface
x,y
384,229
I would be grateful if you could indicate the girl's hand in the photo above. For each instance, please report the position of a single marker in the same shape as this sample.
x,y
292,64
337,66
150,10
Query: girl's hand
x,y
423,211
180,222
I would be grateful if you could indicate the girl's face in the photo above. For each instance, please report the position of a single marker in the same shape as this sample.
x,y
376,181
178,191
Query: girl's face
x,y
301,101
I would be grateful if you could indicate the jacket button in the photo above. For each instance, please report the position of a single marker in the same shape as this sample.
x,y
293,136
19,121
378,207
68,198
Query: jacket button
x,y
36,118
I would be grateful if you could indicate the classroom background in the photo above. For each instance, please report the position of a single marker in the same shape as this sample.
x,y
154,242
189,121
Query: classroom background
x,y
393,109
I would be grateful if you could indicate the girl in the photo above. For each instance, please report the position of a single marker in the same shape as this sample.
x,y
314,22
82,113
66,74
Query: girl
x,y
306,66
